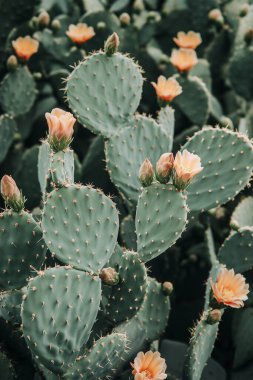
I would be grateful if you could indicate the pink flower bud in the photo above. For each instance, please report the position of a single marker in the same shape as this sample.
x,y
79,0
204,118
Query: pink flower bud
x,y
186,166
164,167
61,128
146,173
9,189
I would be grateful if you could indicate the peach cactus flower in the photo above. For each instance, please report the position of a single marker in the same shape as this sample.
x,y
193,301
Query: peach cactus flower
x,y
186,166
60,123
149,366
167,89
25,47
9,189
190,40
164,167
80,33
146,173
183,59
230,289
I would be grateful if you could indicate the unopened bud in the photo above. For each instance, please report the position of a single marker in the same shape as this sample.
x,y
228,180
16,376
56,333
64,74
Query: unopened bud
x,y
146,173
112,44
248,36
101,25
214,316
138,6
43,19
11,194
56,25
164,167
124,19
167,288
244,10
12,63
216,16
109,276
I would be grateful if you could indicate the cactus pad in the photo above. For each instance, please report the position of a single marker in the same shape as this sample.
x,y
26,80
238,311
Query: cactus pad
x,y
80,226
227,158
126,152
104,92
241,215
57,315
22,248
160,219
7,131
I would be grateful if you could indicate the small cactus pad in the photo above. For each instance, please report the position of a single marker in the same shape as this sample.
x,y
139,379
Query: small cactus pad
x,y
125,298
55,169
166,119
241,215
240,72
17,92
8,128
161,218
104,92
236,251
194,100
227,158
80,226
200,349
102,360
126,152
57,315
10,305
22,248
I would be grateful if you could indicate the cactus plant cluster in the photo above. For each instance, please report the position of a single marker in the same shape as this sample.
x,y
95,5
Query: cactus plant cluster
x,y
126,158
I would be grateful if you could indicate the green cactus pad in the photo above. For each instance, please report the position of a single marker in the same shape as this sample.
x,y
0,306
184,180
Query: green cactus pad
x,y
193,102
22,248
55,169
240,72
80,226
125,298
17,92
126,152
57,315
8,128
161,218
236,251
241,215
227,158
102,360
166,119
104,92
150,321
6,368
10,305
127,233
200,349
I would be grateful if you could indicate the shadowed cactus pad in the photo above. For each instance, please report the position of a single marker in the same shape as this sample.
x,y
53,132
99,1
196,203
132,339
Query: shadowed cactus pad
x,y
80,226
126,152
227,158
236,251
22,248
104,92
101,360
161,218
57,315
241,215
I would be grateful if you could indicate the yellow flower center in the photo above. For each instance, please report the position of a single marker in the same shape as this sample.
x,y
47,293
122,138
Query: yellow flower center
x,y
147,374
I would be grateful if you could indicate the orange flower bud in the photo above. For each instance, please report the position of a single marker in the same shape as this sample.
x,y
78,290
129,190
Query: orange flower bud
x,y
146,173
80,33
149,366
190,40
11,194
167,89
183,59
61,128
25,47
164,167
230,289
186,166
109,276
